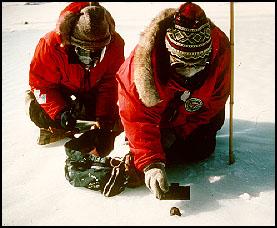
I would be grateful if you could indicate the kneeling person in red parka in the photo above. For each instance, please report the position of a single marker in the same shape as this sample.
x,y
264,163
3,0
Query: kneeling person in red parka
x,y
172,92
72,73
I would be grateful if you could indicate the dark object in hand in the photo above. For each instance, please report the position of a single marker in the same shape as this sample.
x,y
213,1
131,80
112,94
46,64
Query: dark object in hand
x,y
177,192
175,211
101,140
68,120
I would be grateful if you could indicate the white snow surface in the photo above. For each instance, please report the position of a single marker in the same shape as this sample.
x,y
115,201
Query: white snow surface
x,y
34,188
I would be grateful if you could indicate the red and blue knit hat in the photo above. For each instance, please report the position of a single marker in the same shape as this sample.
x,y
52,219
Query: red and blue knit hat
x,y
190,38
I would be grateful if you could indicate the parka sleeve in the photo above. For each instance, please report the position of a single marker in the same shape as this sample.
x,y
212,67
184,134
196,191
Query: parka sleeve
x,y
44,79
141,123
107,91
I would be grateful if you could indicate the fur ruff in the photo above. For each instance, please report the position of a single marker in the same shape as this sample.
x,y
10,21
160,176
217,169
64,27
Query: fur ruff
x,y
143,73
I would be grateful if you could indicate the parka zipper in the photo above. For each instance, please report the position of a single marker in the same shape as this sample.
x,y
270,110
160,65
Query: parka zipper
x,y
86,82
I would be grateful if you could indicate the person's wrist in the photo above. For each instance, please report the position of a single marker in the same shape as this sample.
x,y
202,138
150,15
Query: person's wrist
x,y
159,165
104,124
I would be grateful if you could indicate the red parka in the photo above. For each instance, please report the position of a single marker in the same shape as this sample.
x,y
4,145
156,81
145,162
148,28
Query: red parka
x,y
146,92
51,70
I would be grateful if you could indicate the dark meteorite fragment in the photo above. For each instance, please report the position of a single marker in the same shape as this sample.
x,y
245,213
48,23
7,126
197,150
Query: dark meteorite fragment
x,y
175,211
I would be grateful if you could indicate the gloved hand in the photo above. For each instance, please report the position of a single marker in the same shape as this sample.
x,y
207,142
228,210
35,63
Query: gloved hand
x,y
68,120
155,179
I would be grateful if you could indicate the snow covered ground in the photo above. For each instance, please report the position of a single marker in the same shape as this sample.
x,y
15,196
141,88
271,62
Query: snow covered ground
x,y
34,189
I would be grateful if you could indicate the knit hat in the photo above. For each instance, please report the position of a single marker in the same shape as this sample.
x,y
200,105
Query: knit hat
x,y
189,38
90,28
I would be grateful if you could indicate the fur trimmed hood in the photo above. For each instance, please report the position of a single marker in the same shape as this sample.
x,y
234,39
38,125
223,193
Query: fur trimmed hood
x,y
152,36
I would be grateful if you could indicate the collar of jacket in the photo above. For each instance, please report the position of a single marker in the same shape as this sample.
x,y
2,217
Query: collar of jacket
x,y
150,38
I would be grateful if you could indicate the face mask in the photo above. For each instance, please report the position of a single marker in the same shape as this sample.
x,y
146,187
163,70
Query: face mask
x,y
90,57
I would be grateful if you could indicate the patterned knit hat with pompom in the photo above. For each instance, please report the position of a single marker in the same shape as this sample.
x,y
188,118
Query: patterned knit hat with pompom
x,y
189,39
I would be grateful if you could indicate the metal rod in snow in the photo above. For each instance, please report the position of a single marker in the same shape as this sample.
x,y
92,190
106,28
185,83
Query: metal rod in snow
x,y
231,153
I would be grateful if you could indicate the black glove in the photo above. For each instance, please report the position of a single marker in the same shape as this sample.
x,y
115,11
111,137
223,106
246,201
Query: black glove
x,y
68,120
97,140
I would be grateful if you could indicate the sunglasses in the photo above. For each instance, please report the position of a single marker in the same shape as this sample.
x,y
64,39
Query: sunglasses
x,y
186,65
176,63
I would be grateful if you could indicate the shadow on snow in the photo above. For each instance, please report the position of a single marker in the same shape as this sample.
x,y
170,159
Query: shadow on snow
x,y
214,179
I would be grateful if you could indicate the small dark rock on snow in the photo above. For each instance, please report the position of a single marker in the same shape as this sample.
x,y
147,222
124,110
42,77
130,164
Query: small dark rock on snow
x,y
175,211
